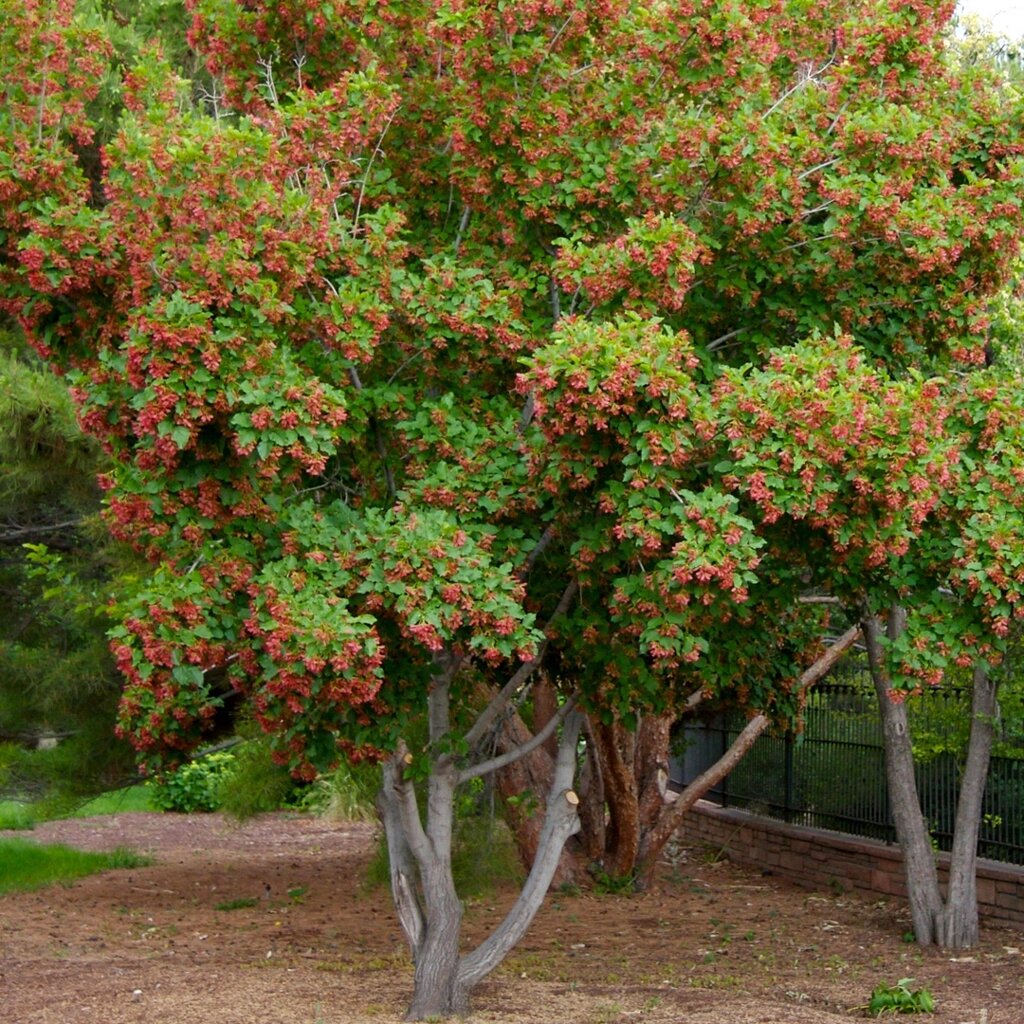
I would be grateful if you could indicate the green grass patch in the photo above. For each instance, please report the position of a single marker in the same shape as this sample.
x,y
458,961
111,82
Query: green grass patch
x,y
26,865
14,814
17,814
119,801
239,904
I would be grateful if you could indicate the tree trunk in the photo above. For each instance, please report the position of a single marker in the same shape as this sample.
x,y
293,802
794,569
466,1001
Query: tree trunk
x,y
911,827
592,803
958,921
437,990
952,922
428,906
615,750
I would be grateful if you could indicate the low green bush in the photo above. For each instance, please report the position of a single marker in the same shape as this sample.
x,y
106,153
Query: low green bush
x,y
195,786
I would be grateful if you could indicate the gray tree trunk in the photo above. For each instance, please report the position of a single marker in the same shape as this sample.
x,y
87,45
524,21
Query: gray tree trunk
x,y
953,921
428,906
958,921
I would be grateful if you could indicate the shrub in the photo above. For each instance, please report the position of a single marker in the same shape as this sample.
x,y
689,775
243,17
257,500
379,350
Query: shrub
x,y
346,794
253,783
194,786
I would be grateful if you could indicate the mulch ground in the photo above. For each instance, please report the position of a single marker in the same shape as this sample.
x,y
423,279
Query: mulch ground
x,y
273,922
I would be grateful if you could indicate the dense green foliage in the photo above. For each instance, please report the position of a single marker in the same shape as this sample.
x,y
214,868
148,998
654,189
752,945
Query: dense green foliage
x,y
370,330
59,574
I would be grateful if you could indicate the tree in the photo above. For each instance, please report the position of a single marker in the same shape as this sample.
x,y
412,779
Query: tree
x,y
442,342
57,676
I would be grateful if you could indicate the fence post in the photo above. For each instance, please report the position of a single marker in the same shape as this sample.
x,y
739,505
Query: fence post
x,y
724,719
788,799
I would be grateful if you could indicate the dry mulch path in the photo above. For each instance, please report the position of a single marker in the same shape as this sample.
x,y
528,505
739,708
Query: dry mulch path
x,y
712,944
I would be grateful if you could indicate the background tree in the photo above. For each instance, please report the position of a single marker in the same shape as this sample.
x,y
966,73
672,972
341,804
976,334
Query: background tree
x,y
57,568
440,346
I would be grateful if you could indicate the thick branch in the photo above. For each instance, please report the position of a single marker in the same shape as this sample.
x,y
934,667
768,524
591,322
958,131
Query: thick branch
x,y
406,807
496,763
958,923
400,860
560,822
655,840
501,699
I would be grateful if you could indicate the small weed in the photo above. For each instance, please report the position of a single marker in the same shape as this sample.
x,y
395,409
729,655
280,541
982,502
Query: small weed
x,y
715,981
607,1012
239,904
533,966
296,895
609,885
900,998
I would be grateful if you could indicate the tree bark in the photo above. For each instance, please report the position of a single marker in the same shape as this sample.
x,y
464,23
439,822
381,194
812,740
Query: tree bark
x,y
616,749
911,827
958,920
592,803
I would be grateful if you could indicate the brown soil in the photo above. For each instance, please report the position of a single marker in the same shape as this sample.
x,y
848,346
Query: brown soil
x,y
712,944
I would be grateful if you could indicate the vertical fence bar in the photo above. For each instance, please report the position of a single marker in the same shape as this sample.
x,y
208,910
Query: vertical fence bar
x,y
788,802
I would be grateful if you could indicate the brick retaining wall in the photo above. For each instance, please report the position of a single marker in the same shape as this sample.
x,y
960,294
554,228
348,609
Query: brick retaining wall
x,y
819,859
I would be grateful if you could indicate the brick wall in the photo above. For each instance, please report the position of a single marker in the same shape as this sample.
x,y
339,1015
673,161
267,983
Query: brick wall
x,y
818,859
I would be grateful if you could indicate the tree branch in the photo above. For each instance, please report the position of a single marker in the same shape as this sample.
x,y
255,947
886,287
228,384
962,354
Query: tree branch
x,y
560,822
487,717
655,840
496,763
538,549
18,533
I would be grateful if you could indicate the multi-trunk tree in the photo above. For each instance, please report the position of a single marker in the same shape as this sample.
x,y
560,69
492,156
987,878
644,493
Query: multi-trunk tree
x,y
438,343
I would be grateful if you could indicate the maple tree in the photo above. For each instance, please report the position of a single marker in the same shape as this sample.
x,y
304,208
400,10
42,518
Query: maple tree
x,y
438,345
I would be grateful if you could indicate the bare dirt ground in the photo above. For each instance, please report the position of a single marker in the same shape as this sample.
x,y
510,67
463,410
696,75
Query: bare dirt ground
x,y
712,944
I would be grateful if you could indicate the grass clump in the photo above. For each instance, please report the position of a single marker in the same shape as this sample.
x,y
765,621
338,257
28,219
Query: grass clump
x,y
243,903
348,793
16,815
26,865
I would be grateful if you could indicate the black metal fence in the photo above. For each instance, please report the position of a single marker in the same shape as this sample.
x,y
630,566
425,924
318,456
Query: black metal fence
x,y
832,775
